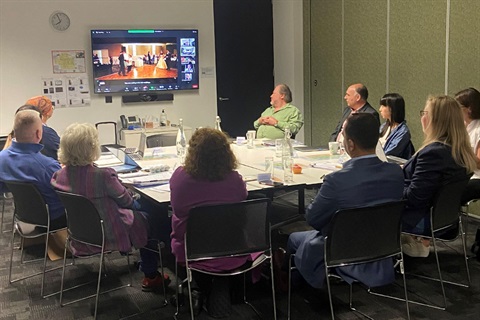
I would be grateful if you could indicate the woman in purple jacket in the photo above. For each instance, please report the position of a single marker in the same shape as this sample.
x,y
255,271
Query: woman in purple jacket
x,y
124,224
208,177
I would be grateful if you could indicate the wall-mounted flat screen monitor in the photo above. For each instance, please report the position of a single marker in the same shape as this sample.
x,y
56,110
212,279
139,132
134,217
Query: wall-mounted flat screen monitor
x,y
144,61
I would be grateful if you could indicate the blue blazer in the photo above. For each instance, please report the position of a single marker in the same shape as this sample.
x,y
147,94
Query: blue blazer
x,y
425,173
362,181
398,142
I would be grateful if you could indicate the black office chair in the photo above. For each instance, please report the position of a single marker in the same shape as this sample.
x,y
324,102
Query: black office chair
x,y
445,216
244,230
3,140
361,235
108,134
161,140
4,197
85,226
31,220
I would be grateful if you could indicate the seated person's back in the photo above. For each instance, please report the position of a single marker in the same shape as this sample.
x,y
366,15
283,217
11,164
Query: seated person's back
x,y
364,180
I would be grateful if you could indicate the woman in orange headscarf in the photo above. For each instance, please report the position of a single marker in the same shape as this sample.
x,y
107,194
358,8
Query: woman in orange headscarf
x,y
50,138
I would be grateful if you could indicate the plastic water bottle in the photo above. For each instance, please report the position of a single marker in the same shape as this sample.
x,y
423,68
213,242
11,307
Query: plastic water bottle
x,y
163,118
181,142
217,123
287,150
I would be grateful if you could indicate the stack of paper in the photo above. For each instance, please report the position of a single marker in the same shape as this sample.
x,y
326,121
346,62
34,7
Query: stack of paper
x,y
108,160
149,180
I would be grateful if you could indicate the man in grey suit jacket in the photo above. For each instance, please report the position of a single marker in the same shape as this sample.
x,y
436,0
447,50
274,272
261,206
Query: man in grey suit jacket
x,y
364,180
356,97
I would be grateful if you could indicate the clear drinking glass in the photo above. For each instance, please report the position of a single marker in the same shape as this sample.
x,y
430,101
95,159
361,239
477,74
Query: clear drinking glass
x,y
279,147
250,138
287,169
269,166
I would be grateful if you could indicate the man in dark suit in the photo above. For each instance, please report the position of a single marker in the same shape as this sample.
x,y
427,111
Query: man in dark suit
x,y
356,97
364,180
168,59
121,60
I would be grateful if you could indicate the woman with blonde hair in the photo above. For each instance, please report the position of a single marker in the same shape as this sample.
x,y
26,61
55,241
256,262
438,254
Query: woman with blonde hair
x,y
444,157
124,224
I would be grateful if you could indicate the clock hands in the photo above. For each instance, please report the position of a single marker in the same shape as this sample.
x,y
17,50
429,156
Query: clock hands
x,y
58,18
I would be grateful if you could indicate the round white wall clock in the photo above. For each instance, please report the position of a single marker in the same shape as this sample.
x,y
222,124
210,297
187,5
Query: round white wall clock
x,y
59,21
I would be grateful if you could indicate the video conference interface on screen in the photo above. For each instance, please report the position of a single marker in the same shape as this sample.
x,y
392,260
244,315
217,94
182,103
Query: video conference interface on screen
x,y
144,60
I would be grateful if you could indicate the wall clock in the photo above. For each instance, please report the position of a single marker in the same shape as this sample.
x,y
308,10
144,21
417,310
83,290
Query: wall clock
x,y
59,21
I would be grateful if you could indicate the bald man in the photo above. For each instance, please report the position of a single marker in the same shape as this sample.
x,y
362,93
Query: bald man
x,y
356,97
24,162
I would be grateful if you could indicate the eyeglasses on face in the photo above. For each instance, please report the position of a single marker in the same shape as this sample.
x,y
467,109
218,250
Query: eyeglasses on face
x,y
423,112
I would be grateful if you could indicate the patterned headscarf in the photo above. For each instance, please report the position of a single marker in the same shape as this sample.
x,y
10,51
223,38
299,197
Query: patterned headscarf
x,y
43,103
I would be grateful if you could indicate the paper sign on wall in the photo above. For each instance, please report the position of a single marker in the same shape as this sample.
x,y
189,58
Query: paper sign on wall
x,y
67,91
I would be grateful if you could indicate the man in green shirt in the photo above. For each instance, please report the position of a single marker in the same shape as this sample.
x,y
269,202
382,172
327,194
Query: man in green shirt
x,y
280,115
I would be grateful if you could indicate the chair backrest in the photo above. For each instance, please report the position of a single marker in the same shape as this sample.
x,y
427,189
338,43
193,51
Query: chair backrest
x,y
410,151
446,205
227,229
83,221
107,132
364,234
30,207
162,140
3,140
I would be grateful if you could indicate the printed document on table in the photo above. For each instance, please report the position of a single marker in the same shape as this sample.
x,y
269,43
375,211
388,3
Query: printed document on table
x,y
149,180
108,160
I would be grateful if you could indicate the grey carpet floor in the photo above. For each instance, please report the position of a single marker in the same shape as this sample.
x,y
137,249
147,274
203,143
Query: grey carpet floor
x,y
22,300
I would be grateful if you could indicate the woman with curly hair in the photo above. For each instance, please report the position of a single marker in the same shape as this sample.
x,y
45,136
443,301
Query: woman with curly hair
x,y
208,177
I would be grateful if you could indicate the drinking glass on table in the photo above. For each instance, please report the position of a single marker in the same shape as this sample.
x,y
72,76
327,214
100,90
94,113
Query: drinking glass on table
x,y
269,166
287,169
279,147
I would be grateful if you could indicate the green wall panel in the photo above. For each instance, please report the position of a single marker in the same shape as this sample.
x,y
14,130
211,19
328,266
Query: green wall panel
x,y
417,55
464,52
365,46
326,67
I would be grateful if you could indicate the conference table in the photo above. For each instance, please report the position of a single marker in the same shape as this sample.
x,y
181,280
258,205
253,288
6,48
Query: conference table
x,y
315,165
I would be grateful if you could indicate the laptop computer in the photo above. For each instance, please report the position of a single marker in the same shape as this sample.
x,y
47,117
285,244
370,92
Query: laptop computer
x,y
125,163
137,153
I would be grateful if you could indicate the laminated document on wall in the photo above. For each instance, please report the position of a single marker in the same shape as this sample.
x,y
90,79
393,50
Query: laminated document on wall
x,y
67,91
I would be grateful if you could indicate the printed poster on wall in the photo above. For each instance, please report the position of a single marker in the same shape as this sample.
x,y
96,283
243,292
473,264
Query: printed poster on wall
x,y
68,61
67,91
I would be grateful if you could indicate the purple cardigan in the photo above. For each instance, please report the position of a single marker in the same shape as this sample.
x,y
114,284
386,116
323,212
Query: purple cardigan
x,y
187,192
123,226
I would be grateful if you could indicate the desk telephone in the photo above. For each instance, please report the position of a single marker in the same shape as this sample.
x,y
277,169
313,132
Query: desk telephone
x,y
130,122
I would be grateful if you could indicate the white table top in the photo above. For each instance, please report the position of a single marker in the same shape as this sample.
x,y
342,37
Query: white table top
x,y
252,162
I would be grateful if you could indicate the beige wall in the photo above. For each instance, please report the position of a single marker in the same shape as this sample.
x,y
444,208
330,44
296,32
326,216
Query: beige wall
x,y
415,48
26,41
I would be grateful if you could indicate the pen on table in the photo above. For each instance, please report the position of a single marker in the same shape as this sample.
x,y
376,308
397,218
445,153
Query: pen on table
x,y
174,167
321,178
